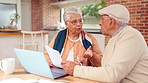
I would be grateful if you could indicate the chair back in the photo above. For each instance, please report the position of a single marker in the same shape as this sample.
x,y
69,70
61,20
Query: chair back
x,y
33,39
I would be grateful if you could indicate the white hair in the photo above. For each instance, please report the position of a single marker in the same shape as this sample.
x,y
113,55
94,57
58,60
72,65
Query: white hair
x,y
71,10
120,23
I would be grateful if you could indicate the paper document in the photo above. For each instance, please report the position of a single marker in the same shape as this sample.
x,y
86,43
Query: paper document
x,y
18,80
54,56
14,80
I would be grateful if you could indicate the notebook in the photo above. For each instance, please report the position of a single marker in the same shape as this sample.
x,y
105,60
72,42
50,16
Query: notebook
x,y
35,63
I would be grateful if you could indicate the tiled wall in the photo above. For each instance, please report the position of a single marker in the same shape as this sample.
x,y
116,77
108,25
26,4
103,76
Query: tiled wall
x,y
44,15
36,6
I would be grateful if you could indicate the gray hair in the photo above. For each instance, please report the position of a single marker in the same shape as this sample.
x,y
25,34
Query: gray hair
x,y
120,23
71,10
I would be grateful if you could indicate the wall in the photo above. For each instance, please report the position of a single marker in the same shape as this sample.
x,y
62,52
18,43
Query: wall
x,y
26,16
44,15
101,40
139,14
36,6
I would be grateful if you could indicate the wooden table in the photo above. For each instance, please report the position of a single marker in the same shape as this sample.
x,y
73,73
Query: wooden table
x,y
20,73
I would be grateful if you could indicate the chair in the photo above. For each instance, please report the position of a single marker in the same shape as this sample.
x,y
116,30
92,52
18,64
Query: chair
x,y
34,39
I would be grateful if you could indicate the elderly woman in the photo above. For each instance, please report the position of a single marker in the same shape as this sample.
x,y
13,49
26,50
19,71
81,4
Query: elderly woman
x,y
73,42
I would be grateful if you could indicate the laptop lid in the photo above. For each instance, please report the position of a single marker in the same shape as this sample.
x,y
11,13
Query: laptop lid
x,y
35,63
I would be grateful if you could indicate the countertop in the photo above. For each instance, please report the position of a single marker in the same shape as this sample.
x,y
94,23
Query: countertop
x,y
15,33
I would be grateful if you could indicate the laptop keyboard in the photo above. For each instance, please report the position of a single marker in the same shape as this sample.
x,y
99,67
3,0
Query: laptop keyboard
x,y
57,72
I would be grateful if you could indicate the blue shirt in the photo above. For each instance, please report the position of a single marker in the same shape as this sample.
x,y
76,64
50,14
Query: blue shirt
x,y
119,30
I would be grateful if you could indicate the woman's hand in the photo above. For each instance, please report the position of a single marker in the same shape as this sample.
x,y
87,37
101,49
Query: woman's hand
x,y
48,59
88,53
79,61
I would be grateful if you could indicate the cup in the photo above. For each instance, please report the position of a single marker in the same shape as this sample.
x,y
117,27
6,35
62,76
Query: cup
x,y
7,65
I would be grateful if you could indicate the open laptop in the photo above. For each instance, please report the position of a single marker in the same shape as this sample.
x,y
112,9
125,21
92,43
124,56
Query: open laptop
x,y
35,63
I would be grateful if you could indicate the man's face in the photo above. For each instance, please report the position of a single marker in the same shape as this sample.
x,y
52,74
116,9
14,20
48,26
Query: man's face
x,y
105,23
74,24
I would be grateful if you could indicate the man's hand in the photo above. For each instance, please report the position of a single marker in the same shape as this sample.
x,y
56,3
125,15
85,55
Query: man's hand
x,y
68,66
88,53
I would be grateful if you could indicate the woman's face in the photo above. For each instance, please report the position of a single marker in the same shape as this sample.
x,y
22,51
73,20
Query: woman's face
x,y
74,24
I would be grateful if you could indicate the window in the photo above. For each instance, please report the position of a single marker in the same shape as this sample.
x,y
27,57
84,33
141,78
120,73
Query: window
x,y
91,16
6,10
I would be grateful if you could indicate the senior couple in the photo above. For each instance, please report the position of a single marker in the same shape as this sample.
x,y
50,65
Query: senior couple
x,y
125,58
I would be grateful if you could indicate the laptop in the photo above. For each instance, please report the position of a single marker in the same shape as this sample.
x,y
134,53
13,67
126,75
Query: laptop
x,y
35,63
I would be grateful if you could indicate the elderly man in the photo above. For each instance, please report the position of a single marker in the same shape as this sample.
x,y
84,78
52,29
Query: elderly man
x,y
125,58
73,42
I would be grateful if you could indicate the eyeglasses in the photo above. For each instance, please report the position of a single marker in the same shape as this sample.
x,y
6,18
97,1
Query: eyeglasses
x,y
74,22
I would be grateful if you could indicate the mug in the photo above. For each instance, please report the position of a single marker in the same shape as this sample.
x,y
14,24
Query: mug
x,y
7,65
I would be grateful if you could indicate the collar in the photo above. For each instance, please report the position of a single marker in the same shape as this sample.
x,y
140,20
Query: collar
x,y
119,30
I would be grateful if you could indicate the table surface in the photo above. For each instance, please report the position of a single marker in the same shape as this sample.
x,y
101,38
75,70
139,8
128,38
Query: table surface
x,y
16,33
20,73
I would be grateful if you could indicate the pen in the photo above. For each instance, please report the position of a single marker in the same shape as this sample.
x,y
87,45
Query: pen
x,y
79,61
38,80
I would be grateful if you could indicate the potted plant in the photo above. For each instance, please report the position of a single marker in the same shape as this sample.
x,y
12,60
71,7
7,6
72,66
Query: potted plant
x,y
92,10
14,18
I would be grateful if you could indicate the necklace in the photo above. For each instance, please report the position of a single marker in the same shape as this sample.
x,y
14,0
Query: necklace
x,y
73,40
